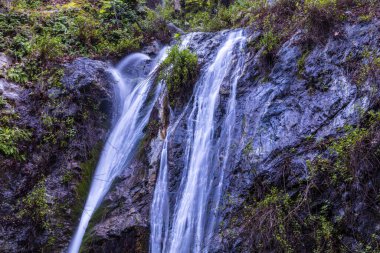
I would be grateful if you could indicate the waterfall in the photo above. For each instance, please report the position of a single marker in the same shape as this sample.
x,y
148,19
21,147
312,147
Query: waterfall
x,y
134,105
190,227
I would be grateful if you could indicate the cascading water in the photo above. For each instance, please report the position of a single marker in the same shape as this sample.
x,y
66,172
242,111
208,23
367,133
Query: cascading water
x,y
190,227
133,108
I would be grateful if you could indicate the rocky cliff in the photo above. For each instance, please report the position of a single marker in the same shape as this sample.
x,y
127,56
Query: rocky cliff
x,y
43,190
303,170
289,187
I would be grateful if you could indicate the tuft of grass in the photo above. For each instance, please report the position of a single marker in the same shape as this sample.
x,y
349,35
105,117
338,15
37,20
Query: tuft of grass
x,y
3,101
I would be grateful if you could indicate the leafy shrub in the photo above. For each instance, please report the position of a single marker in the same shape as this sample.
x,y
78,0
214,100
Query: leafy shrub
x,y
48,48
269,41
118,41
87,29
320,3
17,74
9,138
301,63
179,71
223,19
27,4
200,20
2,101
154,24
20,46
321,17
118,11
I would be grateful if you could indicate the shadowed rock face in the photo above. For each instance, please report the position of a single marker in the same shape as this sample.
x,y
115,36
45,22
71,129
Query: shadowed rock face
x,y
52,155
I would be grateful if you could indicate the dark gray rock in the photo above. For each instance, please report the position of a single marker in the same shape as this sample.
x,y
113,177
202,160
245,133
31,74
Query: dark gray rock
x,y
84,73
173,29
10,91
152,49
67,126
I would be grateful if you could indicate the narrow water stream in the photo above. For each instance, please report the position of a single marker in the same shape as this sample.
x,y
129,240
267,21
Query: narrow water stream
x,y
133,114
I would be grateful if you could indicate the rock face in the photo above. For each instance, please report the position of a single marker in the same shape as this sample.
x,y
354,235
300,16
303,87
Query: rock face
x,y
278,113
279,109
68,123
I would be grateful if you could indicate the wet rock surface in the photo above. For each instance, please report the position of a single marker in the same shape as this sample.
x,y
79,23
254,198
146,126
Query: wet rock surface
x,y
288,108
276,112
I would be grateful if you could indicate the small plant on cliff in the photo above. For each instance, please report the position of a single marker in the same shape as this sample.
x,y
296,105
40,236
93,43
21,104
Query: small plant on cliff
x,y
9,138
179,71
2,101
17,74
321,17
36,206
269,41
48,48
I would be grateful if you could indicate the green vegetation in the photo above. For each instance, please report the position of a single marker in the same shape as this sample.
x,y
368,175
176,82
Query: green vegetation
x,y
2,101
301,63
179,71
58,131
35,206
317,16
9,140
269,42
17,74
39,35
67,177
369,69
248,148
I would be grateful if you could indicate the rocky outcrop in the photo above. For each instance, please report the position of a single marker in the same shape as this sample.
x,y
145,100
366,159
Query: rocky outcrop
x,y
283,116
68,122
307,96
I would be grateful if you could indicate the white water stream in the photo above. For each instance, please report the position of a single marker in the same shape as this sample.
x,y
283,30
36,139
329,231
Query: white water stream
x,y
133,110
190,227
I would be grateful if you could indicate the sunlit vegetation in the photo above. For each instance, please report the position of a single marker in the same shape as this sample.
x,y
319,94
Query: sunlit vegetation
x,y
179,71
37,34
